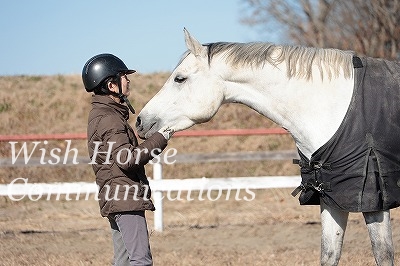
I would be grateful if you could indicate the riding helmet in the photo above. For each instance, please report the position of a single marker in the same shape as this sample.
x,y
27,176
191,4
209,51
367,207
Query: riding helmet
x,y
100,67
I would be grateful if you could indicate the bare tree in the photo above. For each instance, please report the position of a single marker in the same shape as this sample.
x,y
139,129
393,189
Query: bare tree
x,y
375,27
369,27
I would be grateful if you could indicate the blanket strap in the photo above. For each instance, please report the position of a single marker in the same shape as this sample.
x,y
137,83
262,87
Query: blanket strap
x,y
312,183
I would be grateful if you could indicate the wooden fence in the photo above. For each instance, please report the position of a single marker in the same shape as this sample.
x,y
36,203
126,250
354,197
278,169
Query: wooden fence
x,y
159,185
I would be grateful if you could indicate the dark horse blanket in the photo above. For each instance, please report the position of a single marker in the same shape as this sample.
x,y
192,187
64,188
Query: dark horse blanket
x,y
358,169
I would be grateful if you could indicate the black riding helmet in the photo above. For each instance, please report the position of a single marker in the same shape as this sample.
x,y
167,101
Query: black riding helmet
x,y
102,66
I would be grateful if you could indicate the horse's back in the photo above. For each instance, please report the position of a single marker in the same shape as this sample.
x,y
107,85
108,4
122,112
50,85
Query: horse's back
x,y
360,164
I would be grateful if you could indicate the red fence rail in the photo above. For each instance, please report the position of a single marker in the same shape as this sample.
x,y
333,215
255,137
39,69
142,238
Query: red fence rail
x,y
185,133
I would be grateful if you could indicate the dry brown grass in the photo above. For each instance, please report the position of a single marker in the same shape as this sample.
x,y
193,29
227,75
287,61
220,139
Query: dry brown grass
x,y
59,104
270,230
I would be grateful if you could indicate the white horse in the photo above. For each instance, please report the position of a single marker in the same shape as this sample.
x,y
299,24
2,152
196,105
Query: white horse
x,y
305,90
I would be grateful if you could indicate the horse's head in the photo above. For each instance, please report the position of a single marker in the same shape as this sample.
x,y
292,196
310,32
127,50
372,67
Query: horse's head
x,y
191,95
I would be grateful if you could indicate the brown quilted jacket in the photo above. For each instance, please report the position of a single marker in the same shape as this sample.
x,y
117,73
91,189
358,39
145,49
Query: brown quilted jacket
x,y
117,158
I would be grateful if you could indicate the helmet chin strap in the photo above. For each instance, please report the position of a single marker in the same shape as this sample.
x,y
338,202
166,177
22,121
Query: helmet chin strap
x,y
122,97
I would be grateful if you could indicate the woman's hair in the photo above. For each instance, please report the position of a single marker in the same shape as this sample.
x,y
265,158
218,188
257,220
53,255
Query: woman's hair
x,y
102,88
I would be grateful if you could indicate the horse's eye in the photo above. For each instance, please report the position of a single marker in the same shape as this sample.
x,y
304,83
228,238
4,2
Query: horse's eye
x,y
179,79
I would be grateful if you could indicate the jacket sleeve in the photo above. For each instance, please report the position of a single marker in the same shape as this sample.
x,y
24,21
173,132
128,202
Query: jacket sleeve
x,y
124,152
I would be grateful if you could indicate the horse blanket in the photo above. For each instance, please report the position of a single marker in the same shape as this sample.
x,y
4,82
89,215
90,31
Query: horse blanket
x,y
358,169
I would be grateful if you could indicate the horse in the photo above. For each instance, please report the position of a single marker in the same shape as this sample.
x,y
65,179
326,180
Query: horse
x,y
313,93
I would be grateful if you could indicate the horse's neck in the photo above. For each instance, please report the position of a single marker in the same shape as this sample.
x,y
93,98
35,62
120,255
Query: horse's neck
x,y
310,110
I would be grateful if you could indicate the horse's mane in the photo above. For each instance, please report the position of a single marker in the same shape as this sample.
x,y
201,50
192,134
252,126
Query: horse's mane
x,y
299,60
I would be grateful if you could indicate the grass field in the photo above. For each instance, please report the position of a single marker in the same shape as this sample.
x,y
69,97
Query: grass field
x,y
270,230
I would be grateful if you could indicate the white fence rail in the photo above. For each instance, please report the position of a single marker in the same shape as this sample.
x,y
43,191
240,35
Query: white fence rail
x,y
35,191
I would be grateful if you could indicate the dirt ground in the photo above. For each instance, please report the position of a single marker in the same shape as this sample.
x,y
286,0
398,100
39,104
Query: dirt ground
x,y
272,229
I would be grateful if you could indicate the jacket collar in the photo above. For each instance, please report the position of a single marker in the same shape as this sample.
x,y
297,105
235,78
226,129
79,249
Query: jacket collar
x,y
106,101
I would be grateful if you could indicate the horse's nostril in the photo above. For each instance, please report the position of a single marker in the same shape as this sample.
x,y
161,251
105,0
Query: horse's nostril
x,y
138,121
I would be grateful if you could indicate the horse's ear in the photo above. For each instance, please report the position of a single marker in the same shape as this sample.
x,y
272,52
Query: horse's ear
x,y
194,45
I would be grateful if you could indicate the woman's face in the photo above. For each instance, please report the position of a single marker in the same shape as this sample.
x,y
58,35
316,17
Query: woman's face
x,y
124,85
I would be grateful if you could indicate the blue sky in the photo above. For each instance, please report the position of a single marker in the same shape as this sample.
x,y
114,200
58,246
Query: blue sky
x,y
50,37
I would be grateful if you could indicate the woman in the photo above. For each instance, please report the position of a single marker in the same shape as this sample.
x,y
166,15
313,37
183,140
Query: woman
x,y
118,160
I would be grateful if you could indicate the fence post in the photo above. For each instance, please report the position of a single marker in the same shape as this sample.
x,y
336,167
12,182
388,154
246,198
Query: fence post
x,y
157,197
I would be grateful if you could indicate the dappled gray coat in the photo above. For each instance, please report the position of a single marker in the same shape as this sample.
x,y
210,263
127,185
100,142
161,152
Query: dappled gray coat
x,y
117,159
